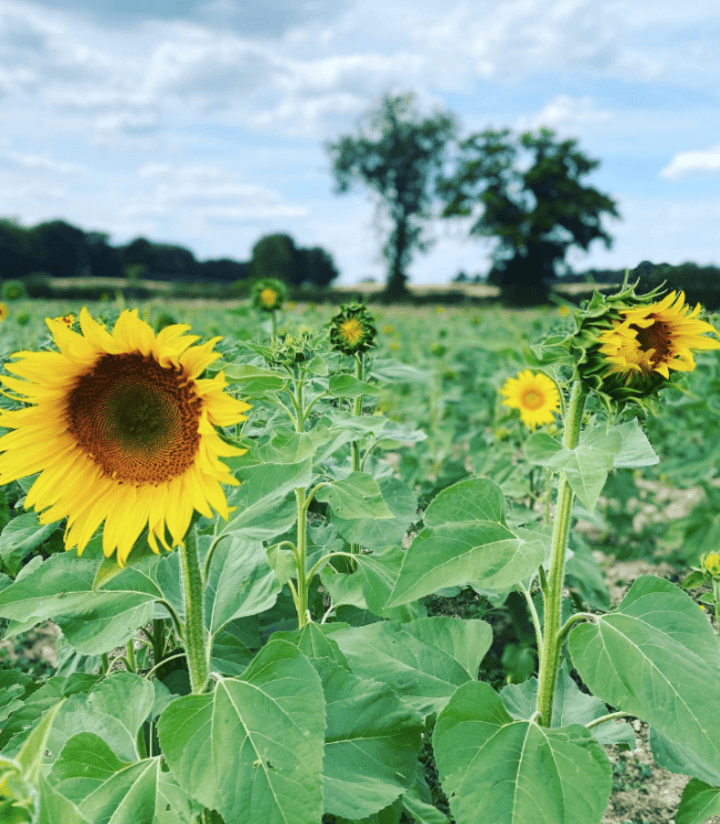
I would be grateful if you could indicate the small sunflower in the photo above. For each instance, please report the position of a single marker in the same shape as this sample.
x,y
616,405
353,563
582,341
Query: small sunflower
x,y
121,429
268,295
536,396
710,563
651,340
352,330
4,311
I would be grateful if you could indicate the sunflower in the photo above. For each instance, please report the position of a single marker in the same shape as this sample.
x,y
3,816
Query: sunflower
x,y
649,341
268,294
536,396
121,429
4,311
352,330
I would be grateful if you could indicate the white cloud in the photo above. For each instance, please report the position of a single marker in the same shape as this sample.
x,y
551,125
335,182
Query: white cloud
x,y
698,162
566,113
40,163
206,190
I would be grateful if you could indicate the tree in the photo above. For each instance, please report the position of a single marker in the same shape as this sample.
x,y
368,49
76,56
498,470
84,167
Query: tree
x,y
398,155
275,256
318,266
537,210
63,249
18,257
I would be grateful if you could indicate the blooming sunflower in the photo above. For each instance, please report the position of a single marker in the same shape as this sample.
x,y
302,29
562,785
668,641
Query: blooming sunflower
x,y
121,429
4,311
651,340
536,396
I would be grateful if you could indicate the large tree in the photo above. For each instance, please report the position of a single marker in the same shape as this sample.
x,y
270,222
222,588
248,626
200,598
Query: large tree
x,y
398,154
529,193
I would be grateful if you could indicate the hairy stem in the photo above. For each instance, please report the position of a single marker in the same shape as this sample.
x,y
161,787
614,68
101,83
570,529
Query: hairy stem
x,y
552,642
194,636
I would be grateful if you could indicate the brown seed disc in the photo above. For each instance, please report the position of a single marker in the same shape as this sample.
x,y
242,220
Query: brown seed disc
x,y
655,337
136,419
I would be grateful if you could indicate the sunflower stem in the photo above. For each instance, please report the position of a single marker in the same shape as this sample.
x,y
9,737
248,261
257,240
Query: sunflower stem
x,y
130,662
357,411
301,558
196,649
552,640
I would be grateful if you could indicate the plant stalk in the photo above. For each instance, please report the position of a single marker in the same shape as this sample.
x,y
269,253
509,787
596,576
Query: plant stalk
x,y
194,636
552,642
357,411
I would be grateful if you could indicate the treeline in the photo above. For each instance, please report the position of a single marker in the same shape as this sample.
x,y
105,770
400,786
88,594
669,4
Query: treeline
x,y
59,249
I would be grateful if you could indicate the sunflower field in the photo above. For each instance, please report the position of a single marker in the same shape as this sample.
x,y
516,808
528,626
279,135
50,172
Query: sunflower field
x,y
321,565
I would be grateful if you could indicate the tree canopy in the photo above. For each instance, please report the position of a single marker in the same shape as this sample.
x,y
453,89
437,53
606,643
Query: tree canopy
x,y
528,192
398,154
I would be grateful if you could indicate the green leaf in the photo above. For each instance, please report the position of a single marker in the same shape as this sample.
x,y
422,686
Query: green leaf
x,y
253,749
348,386
371,532
255,380
114,709
544,450
371,743
467,541
285,447
55,808
32,751
61,588
636,450
653,657
357,496
20,537
108,791
515,772
677,758
699,801
588,465
394,371
240,582
424,660
257,499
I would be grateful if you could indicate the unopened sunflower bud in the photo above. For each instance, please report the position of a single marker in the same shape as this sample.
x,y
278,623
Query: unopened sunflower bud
x,y
352,330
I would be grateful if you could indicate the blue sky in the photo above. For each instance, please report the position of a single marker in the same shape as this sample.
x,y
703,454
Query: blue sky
x,y
202,122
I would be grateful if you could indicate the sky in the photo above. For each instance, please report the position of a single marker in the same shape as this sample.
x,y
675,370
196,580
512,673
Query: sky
x,y
205,122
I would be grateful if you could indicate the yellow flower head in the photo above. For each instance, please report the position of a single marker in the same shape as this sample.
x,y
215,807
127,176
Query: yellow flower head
x,y
4,311
711,564
352,330
535,396
564,311
387,329
268,297
121,429
652,340
268,294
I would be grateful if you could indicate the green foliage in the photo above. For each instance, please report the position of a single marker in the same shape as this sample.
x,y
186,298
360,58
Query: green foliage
x,y
366,502
534,203
12,290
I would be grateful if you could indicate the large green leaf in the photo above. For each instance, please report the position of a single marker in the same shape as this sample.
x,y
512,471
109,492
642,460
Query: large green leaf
x,y
424,660
699,802
240,582
114,709
466,541
92,621
653,657
378,533
636,449
108,791
20,537
257,499
253,749
498,770
570,706
357,496
371,743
